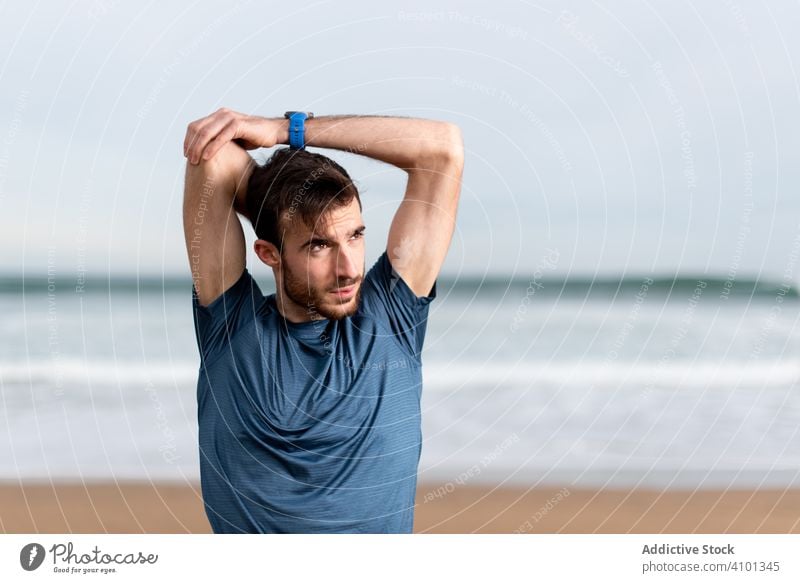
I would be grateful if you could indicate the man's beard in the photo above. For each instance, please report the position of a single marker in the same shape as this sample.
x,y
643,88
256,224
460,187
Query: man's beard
x,y
320,303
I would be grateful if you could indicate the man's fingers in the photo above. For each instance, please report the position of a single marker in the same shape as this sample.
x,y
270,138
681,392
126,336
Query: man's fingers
x,y
227,134
202,137
191,133
198,124
202,132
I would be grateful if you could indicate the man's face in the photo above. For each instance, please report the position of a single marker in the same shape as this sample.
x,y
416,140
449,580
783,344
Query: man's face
x,y
323,267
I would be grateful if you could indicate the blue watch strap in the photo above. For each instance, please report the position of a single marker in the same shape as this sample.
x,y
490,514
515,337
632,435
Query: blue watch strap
x,y
297,130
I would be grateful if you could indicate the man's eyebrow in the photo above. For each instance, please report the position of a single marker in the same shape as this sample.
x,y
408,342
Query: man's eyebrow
x,y
323,241
314,241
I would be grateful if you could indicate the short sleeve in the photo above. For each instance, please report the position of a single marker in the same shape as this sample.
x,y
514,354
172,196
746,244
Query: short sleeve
x,y
387,297
216,324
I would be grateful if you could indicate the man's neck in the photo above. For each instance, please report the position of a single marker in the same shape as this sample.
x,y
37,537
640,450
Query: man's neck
x,y
294,312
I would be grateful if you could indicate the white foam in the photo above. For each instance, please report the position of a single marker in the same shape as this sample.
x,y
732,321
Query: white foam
x,y
675,374
75,371
437,375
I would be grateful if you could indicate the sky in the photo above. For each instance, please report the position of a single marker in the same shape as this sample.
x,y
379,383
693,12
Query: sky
x,y
625,138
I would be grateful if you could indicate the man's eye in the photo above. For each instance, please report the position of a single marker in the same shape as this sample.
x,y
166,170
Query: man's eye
x,y
318,246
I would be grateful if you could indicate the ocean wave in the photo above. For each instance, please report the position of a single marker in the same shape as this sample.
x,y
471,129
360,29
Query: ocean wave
x,y
495,285
73,371
676,374
439,375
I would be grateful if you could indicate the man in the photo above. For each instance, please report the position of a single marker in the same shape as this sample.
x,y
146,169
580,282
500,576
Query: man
x,y
309,398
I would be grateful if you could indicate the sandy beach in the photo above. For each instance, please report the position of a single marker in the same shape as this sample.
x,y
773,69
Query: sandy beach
x,y
166,508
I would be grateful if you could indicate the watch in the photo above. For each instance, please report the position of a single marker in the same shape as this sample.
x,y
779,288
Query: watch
x,y
297,121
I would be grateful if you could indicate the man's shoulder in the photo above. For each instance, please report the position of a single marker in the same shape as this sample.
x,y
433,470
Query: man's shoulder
x,y
392,305
229,315
385,284
376,289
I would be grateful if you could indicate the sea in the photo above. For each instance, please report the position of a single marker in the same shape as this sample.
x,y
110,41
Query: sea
x,y
641,381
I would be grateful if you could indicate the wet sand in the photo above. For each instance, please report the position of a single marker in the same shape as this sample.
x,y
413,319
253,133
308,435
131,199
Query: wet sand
x,y
167,508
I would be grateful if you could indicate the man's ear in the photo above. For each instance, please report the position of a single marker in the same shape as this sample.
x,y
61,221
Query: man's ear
x,y
267,252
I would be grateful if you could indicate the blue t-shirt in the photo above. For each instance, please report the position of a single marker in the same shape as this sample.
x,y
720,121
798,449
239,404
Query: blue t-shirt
x,y
311,427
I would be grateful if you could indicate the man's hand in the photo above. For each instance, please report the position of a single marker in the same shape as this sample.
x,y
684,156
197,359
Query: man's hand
x,y
205,136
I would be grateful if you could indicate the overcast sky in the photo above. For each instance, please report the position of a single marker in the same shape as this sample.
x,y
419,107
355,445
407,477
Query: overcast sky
x,y
632,137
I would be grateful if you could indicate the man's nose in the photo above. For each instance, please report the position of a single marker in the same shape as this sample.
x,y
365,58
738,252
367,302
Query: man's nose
x,y
346,266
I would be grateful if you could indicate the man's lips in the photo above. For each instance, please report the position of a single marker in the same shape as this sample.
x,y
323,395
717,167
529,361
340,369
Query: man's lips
x,y
344,292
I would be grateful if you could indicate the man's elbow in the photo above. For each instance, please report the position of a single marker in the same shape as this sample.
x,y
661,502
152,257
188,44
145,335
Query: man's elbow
x,y
448,154
455,149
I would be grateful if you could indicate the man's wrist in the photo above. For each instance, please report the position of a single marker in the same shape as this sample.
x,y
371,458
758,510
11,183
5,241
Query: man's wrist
x,y
283,130
297,125
275,132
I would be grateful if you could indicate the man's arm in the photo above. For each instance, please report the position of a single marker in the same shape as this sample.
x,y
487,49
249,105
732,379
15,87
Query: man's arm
x,y
431,152
213,191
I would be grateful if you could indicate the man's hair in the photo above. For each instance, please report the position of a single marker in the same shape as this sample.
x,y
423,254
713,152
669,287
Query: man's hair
x,y
295,185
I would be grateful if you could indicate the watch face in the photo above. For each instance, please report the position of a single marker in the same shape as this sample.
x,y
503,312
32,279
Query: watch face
x,y
288,114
